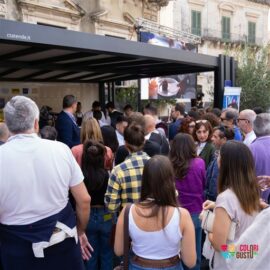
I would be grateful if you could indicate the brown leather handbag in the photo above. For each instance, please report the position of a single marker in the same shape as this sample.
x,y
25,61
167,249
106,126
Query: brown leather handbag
x,y
124,263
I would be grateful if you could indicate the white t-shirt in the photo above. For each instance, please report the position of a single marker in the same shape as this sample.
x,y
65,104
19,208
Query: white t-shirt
x,y
258,233
250,137
35,177
120,138
228,200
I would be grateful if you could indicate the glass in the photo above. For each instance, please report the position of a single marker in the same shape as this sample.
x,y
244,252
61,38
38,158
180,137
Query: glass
x,y
243,119
201,121
264,182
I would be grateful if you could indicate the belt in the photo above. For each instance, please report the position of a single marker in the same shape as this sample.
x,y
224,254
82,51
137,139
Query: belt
x,y
156,263
97,206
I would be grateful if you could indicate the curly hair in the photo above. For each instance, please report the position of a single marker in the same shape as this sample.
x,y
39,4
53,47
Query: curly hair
x,y
184,127
212,119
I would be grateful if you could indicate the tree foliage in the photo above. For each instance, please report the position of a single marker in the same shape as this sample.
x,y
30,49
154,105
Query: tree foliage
x,y
253,75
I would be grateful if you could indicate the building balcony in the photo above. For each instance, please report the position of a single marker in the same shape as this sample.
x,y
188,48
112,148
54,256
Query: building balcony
x,y
161,3
230,38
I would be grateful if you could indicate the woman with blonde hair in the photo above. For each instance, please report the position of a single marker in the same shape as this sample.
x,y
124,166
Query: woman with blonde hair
x,y
90,130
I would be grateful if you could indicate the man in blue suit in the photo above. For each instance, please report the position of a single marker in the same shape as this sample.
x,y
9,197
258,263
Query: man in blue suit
x,y
68,130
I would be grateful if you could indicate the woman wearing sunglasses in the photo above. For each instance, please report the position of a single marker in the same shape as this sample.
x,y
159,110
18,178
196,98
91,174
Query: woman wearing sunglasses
x,y
202,136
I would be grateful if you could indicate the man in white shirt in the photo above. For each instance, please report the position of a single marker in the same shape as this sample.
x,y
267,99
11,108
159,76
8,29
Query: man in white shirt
x,y
245,123
36,219
96,107
121,124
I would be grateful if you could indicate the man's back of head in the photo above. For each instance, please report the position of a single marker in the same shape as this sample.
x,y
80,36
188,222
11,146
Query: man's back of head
x,y
150,110
69,101
180,107
21,115
137,119
229,115
150,124
110,106
261,125
134,138
48,133
4,132
96,106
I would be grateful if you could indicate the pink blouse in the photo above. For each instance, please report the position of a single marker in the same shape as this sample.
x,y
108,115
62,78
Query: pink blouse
x,y
77,152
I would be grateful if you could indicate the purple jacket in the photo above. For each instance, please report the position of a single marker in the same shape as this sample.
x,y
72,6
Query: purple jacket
x,y
191,187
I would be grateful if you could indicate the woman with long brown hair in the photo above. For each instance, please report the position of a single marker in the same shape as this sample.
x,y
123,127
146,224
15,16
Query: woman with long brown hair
x,y
160,231
202,135
190,182
238,200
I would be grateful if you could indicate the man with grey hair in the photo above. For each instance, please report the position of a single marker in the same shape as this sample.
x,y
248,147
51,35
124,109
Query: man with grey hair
x,y
260,148
245,123
38,227
4,133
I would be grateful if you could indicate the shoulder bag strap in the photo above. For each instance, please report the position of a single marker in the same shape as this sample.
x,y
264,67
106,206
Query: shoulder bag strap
x,y
126,237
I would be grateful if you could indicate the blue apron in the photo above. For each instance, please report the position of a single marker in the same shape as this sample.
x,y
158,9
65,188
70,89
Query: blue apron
x,y
16,245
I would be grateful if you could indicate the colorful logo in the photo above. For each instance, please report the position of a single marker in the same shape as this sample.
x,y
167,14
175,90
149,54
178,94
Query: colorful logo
x,y
239,252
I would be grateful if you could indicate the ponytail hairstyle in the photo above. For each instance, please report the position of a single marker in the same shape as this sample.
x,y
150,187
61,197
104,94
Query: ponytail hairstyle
x,y
93,165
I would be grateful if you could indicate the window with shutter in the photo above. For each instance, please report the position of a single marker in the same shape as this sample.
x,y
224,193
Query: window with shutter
x,y
196,22
252,32
226,28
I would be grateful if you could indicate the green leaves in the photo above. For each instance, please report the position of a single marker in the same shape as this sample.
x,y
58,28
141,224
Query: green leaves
x,y
253,75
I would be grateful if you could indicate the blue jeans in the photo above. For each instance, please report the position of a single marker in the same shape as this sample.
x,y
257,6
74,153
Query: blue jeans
x,y
98,233
198,237
133,266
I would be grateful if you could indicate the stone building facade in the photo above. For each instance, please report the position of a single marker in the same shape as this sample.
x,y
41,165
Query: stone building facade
x,y
104,17
224,26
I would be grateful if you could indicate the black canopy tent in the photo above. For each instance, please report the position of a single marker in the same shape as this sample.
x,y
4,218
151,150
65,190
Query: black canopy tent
x,y
36,53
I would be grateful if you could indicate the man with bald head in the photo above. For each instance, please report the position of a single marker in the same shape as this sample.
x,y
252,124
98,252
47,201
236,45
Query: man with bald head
x,y
4,133
152,134
245,123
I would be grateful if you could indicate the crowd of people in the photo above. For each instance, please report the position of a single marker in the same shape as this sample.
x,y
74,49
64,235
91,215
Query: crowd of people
x,y
72,195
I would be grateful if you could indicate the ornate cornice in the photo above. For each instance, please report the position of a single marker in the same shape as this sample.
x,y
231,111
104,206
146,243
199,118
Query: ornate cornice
x,y
69,8
263,2
161,3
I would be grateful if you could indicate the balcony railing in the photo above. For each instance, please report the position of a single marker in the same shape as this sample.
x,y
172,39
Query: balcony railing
x,y
213,35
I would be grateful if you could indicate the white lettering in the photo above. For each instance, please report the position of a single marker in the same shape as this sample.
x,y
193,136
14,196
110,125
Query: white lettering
x,y
22,37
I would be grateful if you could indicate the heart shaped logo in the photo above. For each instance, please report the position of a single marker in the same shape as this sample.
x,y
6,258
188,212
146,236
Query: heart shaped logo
x,y
224,247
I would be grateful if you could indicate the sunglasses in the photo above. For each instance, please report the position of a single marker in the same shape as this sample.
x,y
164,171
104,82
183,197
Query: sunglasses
x,y
201,121
243,119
